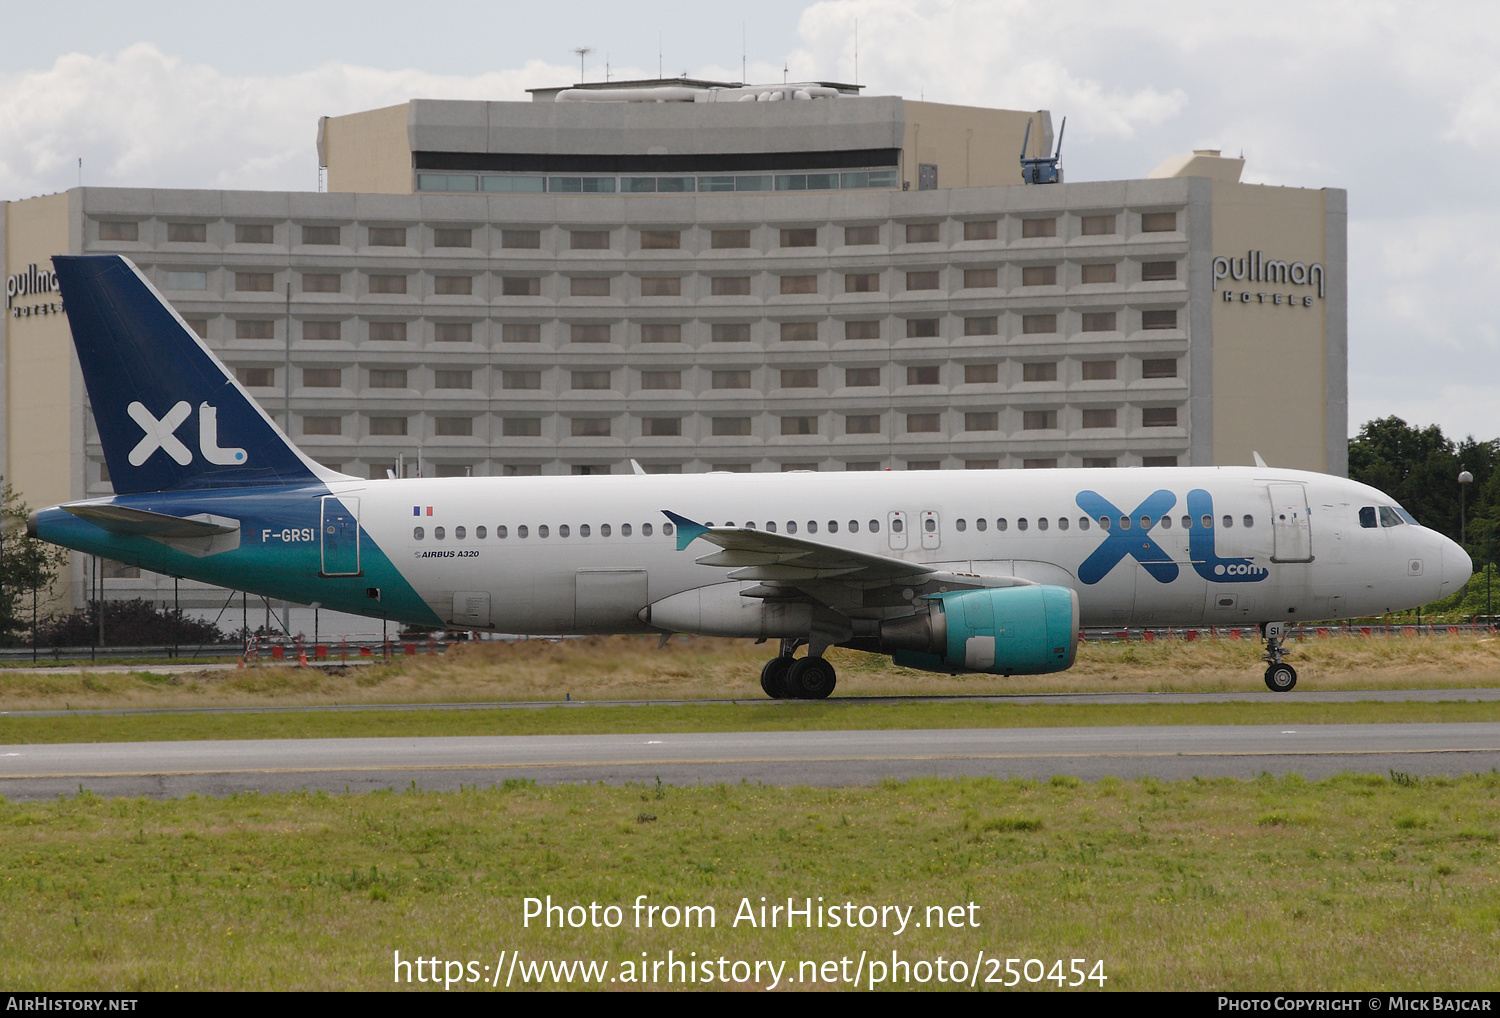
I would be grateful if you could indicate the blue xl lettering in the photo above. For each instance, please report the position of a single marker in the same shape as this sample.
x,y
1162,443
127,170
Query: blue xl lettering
x,y
1122,541
1206,561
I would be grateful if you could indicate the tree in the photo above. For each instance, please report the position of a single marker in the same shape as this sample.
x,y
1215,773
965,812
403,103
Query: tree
x,y
135,623
27,567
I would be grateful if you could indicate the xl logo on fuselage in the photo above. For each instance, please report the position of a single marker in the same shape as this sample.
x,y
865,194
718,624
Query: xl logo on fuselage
x,y
1129,534
160,433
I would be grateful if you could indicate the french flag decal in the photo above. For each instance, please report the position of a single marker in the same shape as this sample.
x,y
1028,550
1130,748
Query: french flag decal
x,y
416,510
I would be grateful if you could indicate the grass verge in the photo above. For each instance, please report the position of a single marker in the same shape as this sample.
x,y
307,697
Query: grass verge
x,y
1355,882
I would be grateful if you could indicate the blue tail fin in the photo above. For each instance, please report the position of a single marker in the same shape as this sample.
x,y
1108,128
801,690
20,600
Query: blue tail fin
x,y
169,413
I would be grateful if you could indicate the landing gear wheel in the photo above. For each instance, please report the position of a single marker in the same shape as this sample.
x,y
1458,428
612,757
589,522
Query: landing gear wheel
x,y
1280,678
810,678
773,677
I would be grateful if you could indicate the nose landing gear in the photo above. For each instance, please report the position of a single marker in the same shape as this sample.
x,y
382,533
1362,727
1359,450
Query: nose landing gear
x,y
1280,676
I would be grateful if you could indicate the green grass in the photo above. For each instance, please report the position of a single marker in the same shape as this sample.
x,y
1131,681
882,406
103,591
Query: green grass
x,y
753,717
1355,882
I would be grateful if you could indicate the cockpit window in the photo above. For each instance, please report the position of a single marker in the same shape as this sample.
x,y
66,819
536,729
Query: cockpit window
x,y
1406,516
1367,517
1388,517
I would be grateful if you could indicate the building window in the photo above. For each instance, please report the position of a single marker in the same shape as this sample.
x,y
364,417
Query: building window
x,y
729,286
322,378
592,332
390,426
1098,226
388,378
1039,371
119,231
799,284
456,470
321,236
661,379
254,282
862,424
388,332
1165,367
521,286
736,379
520,332
253,328
982,229
662,427
452,237
923,374
981,279
981,465
187,233
453,286
254,233
987,420
1033,228
590,427
1098,371
453,332
1099,462
320,330
927,176
322,425
256,378
589,286
859,378
730,427
924,464
729,332
1158,461
521,427
588,240
661,333
661,240
862,282
1159,417
192,280
1039,275
921,328
453,378
861,236
1156,272
922,280
729,238
1159,319
924,423
799,332
520,379
1098,321
519,470
388,236
1038,420
1099,273
199,326
1099,417
529,240
799,378
387,284
453,427
590,380
799,425
321,282
800,237
981,374
862,329
1039,464
1158,222
1037,324
921,233
986,325
661,286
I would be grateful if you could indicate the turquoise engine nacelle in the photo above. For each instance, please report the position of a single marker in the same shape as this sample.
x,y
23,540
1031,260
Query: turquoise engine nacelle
x,y
1029,630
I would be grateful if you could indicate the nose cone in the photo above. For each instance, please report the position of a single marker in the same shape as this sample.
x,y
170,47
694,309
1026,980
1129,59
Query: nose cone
x,y
1457,567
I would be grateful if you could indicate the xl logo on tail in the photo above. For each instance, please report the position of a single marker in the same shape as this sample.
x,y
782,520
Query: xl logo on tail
x,y
161,434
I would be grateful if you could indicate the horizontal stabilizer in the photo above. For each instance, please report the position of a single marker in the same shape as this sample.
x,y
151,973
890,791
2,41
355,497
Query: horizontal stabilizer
x,y
119,519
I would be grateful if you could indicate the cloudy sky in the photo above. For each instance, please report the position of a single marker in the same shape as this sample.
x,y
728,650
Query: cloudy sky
x,y
1397,103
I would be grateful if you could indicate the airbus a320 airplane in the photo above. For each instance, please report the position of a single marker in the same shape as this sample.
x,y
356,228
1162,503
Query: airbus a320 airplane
x,y
972,571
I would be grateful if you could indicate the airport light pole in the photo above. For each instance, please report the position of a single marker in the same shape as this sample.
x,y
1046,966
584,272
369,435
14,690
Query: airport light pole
x,y
1464,480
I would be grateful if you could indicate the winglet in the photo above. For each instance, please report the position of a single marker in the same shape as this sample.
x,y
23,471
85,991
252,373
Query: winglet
x,y
1258,461
687,530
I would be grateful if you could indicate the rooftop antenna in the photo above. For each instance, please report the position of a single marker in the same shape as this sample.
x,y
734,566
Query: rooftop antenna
x,y
80,171
606,65
582,52
784,71
658,56
856,51
1042,169
742,52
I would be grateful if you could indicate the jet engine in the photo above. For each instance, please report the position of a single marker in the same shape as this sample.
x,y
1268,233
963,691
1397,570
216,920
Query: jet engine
x,y
1026,630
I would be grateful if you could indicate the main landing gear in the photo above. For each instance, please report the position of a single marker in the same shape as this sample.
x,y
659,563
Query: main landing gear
x,y
1280,676
788,678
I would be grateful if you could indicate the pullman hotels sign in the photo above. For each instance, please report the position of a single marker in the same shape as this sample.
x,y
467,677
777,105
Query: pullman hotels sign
x,y
29,283
1255,267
